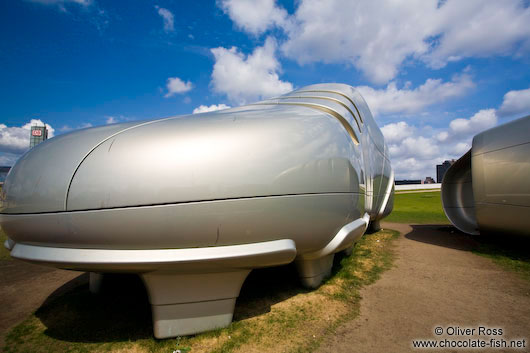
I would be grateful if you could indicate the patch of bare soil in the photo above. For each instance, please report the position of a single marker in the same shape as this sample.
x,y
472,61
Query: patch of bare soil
x,y
24,287
436,282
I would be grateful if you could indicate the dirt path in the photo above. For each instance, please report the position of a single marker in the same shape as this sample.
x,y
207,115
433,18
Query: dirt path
x,y
24,287
436,281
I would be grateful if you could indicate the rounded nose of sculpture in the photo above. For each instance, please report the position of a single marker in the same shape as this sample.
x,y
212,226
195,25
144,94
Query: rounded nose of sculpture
x,y
39,181
457,195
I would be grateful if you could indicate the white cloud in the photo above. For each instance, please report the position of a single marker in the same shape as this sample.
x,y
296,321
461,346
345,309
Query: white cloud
x,y
247,78
255,16
460,148
176,86
515,103
414,152
433,91
211,108
396,132
378,37
167,16
417,146
67,128
478,28
481,121
374,36
111,120
442,136
15,140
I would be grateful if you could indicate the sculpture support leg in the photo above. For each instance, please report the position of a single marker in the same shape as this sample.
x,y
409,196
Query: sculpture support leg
x,y
375,226
349,250
188,303
312,272
95,282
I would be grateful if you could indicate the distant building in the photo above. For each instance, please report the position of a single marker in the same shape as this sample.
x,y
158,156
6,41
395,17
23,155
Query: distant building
x,y
429,180
407,182
38,135
442,168
3,173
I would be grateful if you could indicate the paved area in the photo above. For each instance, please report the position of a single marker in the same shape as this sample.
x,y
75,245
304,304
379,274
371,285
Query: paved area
x,y
436,281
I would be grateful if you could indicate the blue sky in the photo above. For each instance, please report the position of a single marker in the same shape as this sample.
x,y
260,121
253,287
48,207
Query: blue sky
x,y
434,73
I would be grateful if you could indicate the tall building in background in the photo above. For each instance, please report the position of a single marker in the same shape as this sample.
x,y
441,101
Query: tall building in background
x,y
38,135
441,169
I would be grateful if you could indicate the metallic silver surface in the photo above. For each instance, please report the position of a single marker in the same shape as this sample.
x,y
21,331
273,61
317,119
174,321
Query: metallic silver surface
x,y
38,182
457,195
311,220
308,171
213,259
487,190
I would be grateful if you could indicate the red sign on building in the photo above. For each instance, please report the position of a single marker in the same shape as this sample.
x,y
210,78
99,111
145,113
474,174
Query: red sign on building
x,y
36,132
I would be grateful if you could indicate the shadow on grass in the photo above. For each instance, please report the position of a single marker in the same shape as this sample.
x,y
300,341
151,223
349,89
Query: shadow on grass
x,y
264,288
121,312
509,251
442,235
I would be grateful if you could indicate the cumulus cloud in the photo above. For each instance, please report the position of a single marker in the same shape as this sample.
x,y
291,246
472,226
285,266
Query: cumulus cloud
x,y
396,132
377,37
515,103
414,152
167,17
482,120
255,16
245,78
460,148
478,28
211,108
176,86
417,146
393,100
15,140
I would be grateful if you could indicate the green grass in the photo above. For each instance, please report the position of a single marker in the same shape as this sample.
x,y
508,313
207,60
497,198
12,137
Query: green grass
x,y
418,208
512,254
273,312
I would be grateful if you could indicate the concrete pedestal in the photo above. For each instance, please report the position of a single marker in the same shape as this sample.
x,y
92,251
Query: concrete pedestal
x,y
184,304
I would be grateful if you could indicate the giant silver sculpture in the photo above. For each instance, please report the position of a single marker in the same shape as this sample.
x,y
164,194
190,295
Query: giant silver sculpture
x,y
194,203
488,188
